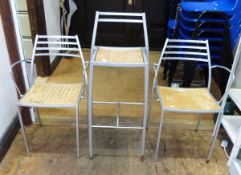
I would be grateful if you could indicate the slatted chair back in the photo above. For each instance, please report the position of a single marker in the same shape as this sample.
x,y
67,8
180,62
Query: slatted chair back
x,y
115,17
186,50
58,46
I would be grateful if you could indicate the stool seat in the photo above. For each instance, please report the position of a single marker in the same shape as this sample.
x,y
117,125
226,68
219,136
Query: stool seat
x,y
119,55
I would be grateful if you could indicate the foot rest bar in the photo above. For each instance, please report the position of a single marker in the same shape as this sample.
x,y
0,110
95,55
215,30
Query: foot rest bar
x,y
121,103
117,127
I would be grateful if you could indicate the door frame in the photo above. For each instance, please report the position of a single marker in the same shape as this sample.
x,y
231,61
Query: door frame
x,y
38,26
13,51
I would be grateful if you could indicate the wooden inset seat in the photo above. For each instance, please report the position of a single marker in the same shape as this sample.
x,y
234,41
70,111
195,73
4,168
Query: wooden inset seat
x,y
188,99
119,55
52,94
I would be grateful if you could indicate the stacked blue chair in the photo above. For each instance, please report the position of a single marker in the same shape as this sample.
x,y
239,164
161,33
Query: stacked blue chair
x,y
174,10
219,21
190,11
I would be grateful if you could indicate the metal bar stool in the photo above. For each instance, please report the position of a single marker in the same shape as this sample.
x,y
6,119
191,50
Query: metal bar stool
x,y
130,57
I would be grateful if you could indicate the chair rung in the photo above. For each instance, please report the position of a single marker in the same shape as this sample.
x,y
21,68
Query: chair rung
x,y
185,59
56,36
56,48
57,42
186,53
57,54
119,14
186,47
187,41
116,127
120,20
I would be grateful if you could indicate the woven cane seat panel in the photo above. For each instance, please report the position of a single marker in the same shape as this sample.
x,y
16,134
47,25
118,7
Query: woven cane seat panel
x,y
52,94
119,55
188,99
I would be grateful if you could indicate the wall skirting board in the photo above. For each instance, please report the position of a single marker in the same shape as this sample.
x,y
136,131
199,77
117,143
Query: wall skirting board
x,y
8,137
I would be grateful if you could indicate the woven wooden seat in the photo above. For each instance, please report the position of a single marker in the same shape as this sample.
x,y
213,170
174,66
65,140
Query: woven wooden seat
x,y
52,94
187,99
120,55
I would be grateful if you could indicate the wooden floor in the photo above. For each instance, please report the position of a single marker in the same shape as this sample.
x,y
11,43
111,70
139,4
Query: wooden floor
x,y
183,151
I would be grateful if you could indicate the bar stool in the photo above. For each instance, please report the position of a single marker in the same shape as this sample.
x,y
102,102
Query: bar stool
x,y
130,57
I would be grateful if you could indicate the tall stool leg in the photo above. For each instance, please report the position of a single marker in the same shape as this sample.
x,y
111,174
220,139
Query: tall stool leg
x,y
159,135
23,131
90,111
146,77
151,103
77,130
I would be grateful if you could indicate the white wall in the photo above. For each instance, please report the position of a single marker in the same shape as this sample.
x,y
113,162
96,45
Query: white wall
x,y
52,17
8,96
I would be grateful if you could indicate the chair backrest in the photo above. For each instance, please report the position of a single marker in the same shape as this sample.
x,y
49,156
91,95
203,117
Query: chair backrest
x,y
235,4
117,17
59,46
186,50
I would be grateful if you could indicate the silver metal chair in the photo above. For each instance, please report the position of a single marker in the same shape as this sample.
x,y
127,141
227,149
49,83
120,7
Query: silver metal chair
x,y
186,100
43,94
131,57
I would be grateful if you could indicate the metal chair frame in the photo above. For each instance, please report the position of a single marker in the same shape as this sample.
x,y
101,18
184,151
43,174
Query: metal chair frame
x,y
43,46
114,17
180,56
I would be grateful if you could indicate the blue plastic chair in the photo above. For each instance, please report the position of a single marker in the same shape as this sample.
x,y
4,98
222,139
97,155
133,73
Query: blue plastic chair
x,y
228,6
233,21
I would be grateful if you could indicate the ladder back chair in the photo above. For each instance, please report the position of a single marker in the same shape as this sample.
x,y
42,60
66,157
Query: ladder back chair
x,y
180,99
44,94
131,57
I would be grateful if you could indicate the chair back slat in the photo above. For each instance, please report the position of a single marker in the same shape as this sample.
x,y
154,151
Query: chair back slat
x,y
59,46
186,50
118,17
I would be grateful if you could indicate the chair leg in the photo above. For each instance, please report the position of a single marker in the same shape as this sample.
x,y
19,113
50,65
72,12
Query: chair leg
x,y
214,136
23,131
77,130
145,112
159,135
36,112
90,112
151,103
198,123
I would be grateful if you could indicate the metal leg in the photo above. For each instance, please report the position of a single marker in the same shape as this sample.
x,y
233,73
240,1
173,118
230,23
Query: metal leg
x,y
77,130
198,123
117,114
37,115
214,136
151,103
145,111
23,131
159,135
90,111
